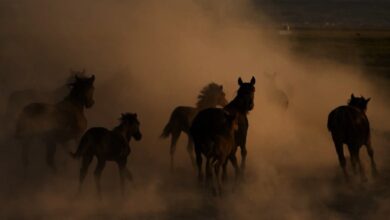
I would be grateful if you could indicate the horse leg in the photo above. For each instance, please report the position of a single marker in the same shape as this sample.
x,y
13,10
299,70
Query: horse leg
x,y
243,158
123,173
209,173
190,150
342,161
50,152
98,172
86,161
175,136
361,167
217,167
199,160
370,152
353,160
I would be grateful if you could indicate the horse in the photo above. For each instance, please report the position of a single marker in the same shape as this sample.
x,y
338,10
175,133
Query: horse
x,y
108,145
208,124
217,148
58,123
349,125
181,117
20,98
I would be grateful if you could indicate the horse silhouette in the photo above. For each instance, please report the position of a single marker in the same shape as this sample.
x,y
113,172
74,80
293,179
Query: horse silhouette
x,y
216,148
210,123
56,123
108,145
349,125
18,99
210,96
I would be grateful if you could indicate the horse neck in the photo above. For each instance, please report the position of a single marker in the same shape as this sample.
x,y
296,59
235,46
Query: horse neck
x,y
236,106
122,130
75,102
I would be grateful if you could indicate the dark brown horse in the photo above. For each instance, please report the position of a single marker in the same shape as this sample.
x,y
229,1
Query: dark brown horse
x,y
210,123
349,125
58,123
211,96
108,145
216,148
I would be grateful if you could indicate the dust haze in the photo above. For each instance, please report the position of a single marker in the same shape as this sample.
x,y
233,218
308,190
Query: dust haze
x,y
151,56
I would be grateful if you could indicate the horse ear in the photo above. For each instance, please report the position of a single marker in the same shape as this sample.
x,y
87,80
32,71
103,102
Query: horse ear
x,y
253,81
352,96
367,100
240,81
92,78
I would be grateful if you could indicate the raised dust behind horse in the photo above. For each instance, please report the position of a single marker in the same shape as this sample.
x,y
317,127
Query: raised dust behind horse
x,y
58,123
349,125
211,96
108,145
211,123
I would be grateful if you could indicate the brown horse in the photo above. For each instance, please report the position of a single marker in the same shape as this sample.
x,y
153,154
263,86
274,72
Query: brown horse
x,y
108,145
217,148
211,96
349,125
58,123
211,123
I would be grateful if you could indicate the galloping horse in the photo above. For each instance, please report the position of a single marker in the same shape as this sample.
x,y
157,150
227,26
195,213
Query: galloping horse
x,y
108,145
182,116
210,123
349,125
58,123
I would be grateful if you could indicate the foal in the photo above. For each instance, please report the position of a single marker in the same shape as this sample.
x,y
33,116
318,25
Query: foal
x,y
108,145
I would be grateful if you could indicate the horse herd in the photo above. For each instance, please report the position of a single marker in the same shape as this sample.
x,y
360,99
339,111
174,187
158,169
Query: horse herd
x,y
216,129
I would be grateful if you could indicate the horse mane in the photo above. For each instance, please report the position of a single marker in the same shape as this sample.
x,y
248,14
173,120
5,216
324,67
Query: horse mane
x,y
207,94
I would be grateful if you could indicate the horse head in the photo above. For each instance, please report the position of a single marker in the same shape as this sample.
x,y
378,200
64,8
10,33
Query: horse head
x,y
359,102
246,93
130,121
83,89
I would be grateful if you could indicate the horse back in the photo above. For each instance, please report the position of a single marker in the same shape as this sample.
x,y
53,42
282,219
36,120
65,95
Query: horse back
x,y
105,143
182,117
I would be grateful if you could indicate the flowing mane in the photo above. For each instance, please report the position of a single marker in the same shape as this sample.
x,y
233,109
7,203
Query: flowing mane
x,y
208,95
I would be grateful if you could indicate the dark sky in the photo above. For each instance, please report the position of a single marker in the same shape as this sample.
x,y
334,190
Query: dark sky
x,y
338,13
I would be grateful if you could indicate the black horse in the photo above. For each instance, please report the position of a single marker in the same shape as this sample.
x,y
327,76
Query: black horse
x,y
108,145
211,96
210,123
349,125
58,123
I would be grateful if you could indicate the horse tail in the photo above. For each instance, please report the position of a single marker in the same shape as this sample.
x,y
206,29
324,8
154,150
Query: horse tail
x,y
167,129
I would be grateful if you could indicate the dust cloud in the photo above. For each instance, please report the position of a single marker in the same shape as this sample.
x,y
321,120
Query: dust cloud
x,y
149,57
